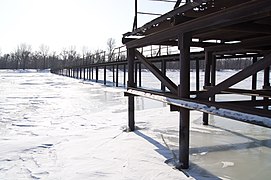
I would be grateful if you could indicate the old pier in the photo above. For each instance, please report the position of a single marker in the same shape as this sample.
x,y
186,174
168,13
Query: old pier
x,y
221,29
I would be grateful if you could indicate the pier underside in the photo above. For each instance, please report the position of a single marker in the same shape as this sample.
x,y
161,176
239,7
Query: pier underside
x,y
221,29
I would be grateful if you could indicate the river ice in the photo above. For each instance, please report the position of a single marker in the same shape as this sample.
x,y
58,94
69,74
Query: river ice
x,y
54,127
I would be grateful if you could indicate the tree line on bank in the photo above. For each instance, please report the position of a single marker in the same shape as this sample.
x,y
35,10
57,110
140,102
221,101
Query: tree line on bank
x,y
24,58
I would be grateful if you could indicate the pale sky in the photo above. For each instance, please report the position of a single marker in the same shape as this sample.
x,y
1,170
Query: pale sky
x,y
64,23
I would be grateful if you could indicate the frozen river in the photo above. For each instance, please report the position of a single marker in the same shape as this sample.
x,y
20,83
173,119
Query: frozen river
x,y
54,127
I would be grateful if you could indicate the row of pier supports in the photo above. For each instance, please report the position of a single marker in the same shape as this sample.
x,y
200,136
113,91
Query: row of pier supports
x,y
93,72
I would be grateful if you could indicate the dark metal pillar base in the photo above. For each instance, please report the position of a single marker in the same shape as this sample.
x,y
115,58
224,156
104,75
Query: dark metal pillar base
x,y
205,119
131,83
184,92
131,113
184,139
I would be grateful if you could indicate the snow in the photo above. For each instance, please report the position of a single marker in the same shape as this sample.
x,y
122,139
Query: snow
x,y
54,127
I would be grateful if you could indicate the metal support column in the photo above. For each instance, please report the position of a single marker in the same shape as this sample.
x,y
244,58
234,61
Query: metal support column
x,y
104,75
197,75
254,79
266,78
184,92
97,73
213,75
208,63
80,73
113,71
117,75
124,74
135,18
131,83
92,73
163,69
135,72
139,74
266,83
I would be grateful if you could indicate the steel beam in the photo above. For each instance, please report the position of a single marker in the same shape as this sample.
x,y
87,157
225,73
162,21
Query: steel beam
x,y
227,111
245,73
248,103
164,79
245,44
177,4
257,93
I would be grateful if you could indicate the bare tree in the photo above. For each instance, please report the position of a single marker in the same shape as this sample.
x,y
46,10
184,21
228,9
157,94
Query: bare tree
x,y
111,44
36,56
87,56
85,53
54,61
72,54
22,53
99,56
44,50
64,56
4,61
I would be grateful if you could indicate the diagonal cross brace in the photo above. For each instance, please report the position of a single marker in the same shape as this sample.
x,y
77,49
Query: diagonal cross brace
x,y
177,4
245,73
163,78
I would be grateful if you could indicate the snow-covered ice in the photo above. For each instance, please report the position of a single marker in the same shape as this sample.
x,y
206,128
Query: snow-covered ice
x,y
54,127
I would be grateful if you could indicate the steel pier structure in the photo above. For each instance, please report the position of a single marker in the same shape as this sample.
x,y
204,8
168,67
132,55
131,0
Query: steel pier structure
x,y
222,28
